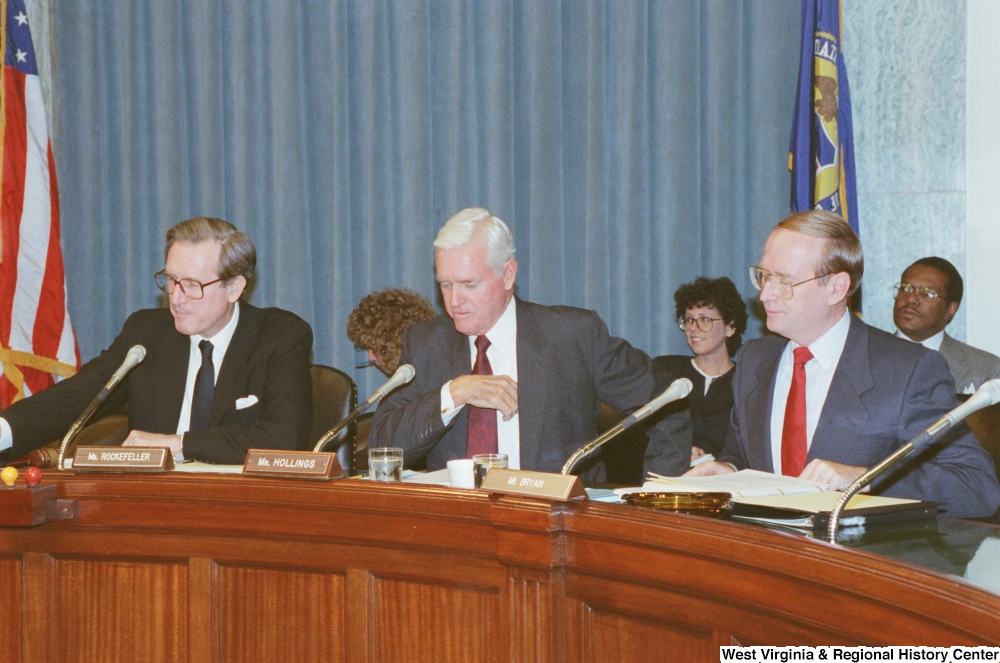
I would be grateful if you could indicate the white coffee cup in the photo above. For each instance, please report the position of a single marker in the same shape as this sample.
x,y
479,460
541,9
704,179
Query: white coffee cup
x,y
461,473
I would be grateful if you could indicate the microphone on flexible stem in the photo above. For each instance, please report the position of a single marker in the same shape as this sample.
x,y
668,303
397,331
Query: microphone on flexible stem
x,y
677,390
135,355
403,375
986,395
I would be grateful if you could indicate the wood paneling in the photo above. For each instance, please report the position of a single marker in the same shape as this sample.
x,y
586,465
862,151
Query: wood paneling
x,y
417,622
530,620
116,610
11,598
273,615
227,568
613,637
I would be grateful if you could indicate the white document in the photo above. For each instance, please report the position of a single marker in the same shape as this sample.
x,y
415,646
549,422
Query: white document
x,y
745,483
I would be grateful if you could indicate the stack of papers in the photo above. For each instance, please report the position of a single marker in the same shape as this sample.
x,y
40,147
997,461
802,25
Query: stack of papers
x,y
789,501
745,483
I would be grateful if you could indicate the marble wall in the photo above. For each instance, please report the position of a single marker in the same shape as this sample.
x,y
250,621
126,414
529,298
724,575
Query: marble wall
x,y
906,65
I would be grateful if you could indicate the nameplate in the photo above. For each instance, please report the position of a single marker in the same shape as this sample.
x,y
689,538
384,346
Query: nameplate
x,y
122,459
304,464
558,487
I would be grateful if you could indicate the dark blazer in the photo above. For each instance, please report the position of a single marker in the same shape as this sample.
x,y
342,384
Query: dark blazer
x,y
710,412
567,364
268,357
885,392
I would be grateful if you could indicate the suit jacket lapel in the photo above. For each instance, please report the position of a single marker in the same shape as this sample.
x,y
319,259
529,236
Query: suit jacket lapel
x,y
232,378
760,398
532,395
170,365
844,415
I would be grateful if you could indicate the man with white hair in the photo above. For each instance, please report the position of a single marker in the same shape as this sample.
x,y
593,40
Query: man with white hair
x,y
500,374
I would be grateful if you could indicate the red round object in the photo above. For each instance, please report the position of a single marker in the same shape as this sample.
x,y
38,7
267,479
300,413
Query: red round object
x,y
32,476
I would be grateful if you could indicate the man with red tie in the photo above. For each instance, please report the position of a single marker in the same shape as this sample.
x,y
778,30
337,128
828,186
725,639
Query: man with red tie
x,y
500,374
828,396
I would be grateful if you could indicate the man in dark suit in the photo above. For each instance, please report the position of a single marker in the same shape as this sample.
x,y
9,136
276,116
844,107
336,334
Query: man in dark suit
x,y
830,396
503,375
220,376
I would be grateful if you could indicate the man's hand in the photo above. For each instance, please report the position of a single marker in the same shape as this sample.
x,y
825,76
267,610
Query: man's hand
x,y
834,475
709,467
494,392
696,453
138,438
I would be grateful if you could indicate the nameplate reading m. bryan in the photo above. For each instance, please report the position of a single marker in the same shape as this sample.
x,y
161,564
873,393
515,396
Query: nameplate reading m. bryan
x,y
122,459
305,464
558,487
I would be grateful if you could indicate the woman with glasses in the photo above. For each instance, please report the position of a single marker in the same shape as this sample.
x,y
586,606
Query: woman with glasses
x,y
713,317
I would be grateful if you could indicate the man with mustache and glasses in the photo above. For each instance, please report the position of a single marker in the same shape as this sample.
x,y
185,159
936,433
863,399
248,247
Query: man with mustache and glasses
x,y
927,298
826,397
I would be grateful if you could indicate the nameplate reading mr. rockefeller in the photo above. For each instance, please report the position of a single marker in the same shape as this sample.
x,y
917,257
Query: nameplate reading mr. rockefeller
x,y
122,459
558,487
305,464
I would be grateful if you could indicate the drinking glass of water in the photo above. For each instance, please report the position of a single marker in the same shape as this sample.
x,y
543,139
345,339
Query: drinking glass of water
x,y
385,464
482,463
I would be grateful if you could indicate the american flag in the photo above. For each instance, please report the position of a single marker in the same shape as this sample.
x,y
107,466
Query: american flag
x,y
37,344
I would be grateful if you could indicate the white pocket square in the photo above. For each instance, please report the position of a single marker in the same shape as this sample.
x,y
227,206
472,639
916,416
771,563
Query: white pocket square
x,y
243,403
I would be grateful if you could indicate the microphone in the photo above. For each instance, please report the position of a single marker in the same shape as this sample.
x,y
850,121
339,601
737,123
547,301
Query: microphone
x,y
135,355
985,396
677,390
403,375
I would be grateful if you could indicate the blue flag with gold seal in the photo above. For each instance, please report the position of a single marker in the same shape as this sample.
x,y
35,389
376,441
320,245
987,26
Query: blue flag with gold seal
x,y
821,155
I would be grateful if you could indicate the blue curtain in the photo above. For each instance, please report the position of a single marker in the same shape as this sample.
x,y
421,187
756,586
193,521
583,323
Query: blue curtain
x,y
630,145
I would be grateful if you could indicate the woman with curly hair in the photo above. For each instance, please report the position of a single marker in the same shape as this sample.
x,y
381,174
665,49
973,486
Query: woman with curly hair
x,y
378,321
713,317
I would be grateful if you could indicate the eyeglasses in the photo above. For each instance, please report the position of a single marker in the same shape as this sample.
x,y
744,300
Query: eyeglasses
x,y
782,285
704,323
919,290
189,287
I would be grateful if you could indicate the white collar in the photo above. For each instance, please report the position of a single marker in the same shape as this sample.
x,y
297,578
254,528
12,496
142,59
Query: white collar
x,y
503,332
932,343
827,348
220,342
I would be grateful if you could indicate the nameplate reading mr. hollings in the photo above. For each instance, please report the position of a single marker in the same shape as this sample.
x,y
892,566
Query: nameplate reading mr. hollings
x,y
305,464
559,487
122,459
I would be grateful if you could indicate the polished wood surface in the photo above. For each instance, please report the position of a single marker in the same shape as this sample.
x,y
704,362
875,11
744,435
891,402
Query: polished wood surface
x,y
227,568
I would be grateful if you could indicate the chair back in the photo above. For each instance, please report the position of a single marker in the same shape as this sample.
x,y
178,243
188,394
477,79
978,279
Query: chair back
x,y
361,442
334,397
986,425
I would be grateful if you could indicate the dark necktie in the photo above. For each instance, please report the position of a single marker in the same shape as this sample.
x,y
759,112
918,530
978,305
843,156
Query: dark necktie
x,y
204,386
482,421
793,433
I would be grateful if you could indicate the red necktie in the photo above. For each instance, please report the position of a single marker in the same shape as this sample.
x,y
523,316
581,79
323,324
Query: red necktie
x,y
482,421
793,434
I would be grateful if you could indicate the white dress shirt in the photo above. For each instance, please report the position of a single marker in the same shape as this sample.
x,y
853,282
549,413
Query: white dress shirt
x,y
220,343
502,354
932,343
826,352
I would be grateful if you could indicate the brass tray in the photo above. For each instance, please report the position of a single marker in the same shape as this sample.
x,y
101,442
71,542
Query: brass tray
x,y
714,505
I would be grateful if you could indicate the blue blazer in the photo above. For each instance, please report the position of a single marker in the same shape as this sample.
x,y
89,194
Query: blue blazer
x,y
885,392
